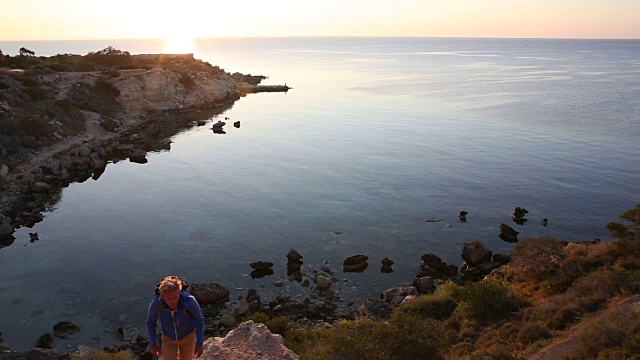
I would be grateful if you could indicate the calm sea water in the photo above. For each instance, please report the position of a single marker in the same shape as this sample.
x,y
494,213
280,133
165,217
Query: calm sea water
x,y
377,135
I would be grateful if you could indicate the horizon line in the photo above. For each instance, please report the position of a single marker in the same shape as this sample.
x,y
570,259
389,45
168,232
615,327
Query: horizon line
x,y
330,36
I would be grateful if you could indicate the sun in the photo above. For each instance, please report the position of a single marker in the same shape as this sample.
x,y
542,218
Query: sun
x,y
179,45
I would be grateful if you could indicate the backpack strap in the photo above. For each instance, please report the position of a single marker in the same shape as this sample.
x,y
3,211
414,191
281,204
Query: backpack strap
x,y
159,309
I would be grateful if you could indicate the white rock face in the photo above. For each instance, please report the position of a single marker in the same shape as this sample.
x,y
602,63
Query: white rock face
x,y
249,341
156,89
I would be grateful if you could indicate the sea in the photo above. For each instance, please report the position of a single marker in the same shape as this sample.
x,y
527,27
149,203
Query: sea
x,y
376,136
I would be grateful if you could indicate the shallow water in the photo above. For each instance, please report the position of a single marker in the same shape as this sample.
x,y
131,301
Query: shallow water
x,y
376,136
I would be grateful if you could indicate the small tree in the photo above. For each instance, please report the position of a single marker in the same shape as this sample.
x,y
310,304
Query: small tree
x,y
626,231
26,52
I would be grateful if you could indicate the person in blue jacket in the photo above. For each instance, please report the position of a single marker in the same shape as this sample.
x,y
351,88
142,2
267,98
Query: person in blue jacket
x,y
181,322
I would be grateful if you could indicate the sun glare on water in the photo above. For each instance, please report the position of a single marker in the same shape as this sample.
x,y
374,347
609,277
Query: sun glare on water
x,y
179,45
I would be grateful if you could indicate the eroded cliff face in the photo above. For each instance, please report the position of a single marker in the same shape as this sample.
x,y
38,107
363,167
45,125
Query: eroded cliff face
x,y
160,89
149,90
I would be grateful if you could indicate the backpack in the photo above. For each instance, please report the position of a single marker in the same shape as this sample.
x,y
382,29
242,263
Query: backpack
x,y
185,286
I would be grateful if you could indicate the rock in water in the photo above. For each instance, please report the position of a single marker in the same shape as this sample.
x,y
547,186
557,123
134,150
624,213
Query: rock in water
x,y
65,329
45,341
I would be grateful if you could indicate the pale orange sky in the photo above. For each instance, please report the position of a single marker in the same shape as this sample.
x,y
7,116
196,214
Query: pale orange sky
x,y
118,19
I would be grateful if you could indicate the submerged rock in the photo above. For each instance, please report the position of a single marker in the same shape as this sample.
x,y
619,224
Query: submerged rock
x,y
261,265
45,341
65,329
508,234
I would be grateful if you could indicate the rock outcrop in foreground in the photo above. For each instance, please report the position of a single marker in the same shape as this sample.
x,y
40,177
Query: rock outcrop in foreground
x,y
249,341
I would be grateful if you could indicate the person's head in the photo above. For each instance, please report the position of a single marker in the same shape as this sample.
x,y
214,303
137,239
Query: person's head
x,y
170,288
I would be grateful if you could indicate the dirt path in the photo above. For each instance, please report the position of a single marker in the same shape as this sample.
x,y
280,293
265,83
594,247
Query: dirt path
x,y
39,157
566,346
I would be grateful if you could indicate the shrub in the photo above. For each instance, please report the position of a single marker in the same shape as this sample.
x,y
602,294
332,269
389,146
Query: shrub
x,y
535,258
439,306
362,338
35,93
258,317
104,355
4,85
614,333
497,352
66,105
186,80
279,325
532,332
102,86
419,338
35,126
630,231
28,81
99,98
485,302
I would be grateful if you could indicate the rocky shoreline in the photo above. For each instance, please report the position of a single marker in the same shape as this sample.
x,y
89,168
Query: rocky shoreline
x,y
322,306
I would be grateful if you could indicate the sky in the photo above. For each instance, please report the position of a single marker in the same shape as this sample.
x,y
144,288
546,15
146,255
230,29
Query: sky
x,y
138,19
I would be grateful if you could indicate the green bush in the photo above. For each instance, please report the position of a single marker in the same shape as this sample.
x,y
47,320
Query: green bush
x,y
626,231
279,325
485,302
362,338
258,317
35,93
439,305
4,85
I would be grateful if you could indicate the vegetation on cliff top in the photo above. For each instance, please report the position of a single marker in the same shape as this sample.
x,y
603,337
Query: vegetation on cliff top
x,y
107,59
31,117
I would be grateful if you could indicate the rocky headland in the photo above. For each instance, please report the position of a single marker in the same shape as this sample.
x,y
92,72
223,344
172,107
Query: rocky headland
x,y
60,127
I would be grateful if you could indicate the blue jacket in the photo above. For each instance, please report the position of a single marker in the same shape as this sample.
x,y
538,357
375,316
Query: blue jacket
x,y
178,323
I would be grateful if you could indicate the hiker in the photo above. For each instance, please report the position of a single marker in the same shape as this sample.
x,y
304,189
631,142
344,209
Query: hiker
x,y
181,321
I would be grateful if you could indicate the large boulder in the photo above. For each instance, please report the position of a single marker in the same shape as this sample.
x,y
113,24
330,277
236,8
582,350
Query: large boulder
x,y
294,256
398,295
261,265
434,262
474,253
355,263
211,293
425,285
40,187
45,342
65,329
323,282
249,341
508,234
